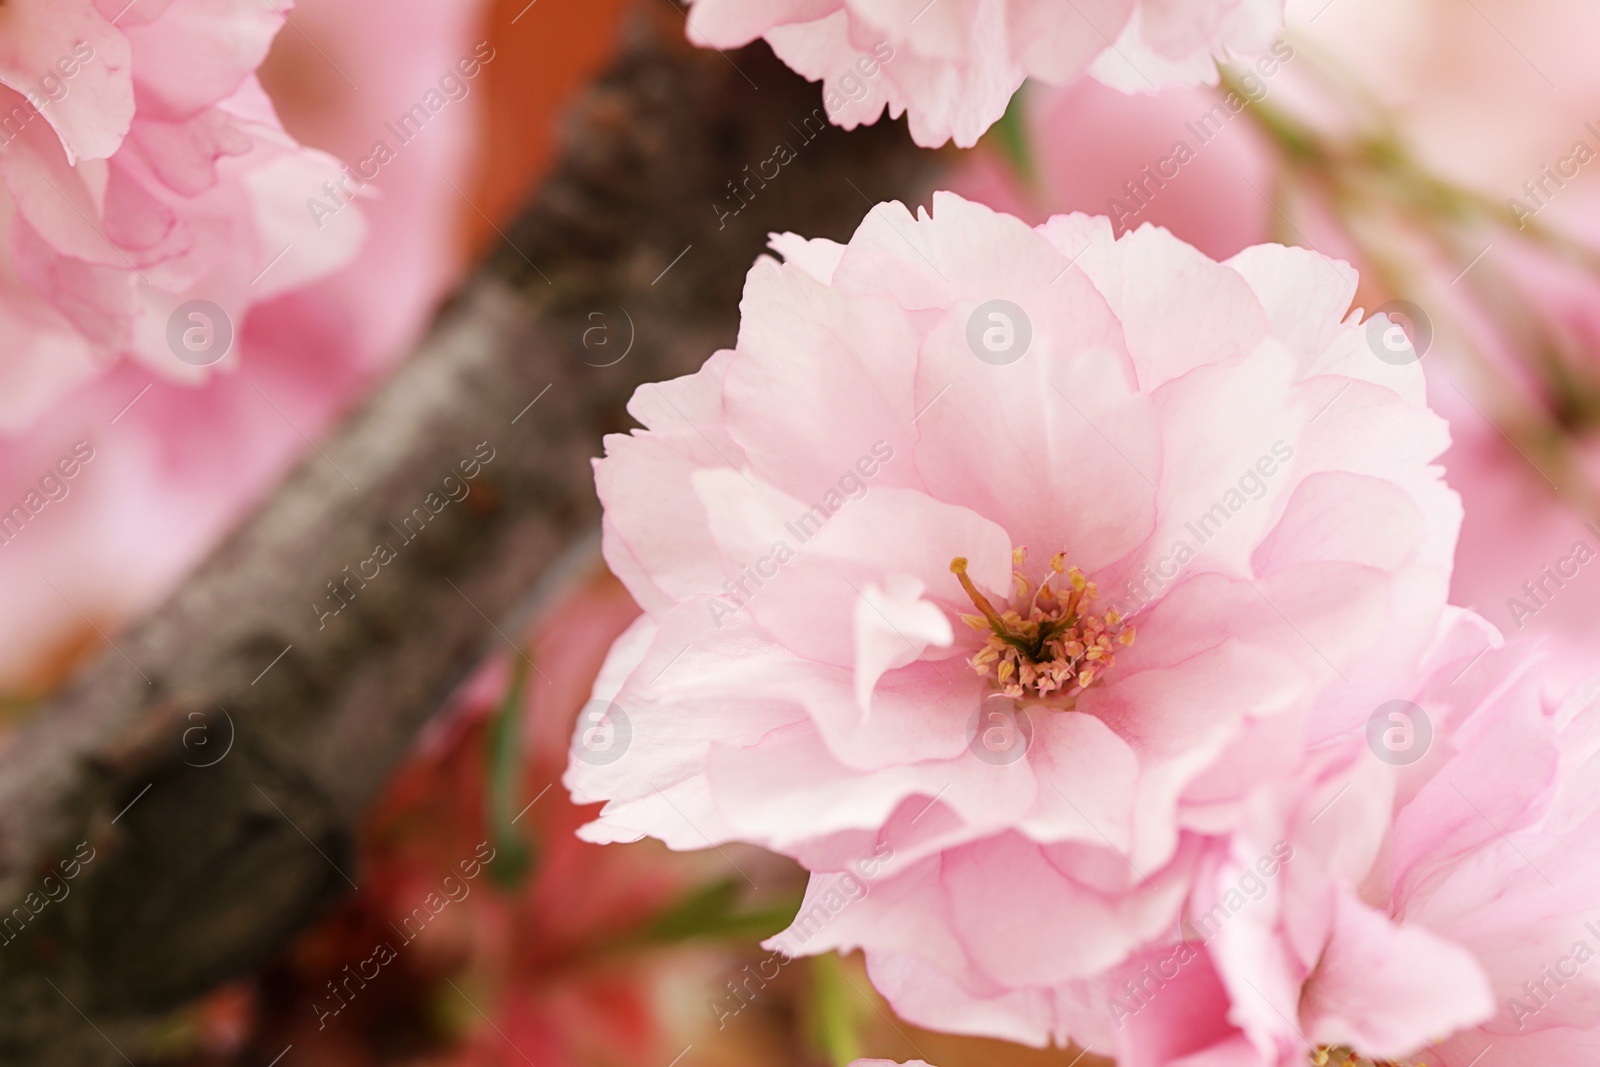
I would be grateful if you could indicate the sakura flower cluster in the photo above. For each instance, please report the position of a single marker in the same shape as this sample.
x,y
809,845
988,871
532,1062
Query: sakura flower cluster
x,y
953,65
1144,809
141,167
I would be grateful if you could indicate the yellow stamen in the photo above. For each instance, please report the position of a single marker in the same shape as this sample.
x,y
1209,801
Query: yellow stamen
x,y
958,567
1340,1056
1055,644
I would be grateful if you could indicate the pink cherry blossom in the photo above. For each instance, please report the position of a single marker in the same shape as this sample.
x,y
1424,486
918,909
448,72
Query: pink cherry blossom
x,y
1431,912
142,167
952,65
994,569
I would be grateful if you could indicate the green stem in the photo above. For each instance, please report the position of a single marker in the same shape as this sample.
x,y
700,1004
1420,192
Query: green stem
x,y
503,754
1372,175
837,1011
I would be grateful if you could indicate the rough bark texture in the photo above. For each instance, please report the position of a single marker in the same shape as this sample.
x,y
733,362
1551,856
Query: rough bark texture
x,y
199,872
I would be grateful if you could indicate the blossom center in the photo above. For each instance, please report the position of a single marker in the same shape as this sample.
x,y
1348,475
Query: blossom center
x,y
1057,645
1331,1056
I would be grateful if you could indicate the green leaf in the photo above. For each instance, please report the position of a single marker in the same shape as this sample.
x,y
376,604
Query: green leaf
x,y
711,912
514,857
1010,138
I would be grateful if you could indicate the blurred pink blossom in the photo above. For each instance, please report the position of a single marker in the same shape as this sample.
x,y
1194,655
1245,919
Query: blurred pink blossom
x,y
1526,558
911,426
1171,159
176,462
952,65
1425,65
143,168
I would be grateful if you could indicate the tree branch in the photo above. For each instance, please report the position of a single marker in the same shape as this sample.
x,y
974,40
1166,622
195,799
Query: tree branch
x,y
199,872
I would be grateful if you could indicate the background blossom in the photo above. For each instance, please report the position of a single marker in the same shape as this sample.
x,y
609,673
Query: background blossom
x,y
143,167
184,458
953,65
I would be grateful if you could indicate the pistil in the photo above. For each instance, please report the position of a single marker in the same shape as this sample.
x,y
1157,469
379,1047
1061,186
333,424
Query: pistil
x,y
1061,647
